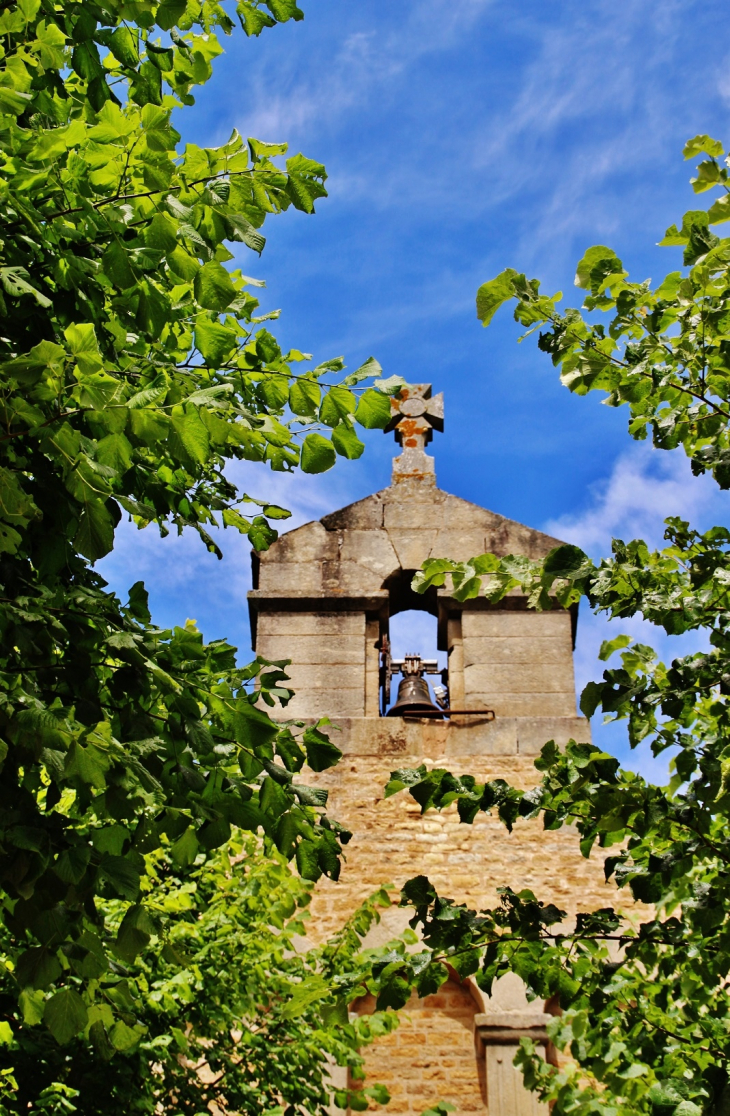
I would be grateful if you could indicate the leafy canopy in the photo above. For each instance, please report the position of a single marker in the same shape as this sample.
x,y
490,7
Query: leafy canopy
x,y
134,366
645,1000
228,1009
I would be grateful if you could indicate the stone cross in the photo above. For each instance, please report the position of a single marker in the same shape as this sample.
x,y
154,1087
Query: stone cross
x,y
415,416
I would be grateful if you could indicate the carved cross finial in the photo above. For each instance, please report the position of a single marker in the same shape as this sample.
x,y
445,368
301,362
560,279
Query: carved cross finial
x,y
415,416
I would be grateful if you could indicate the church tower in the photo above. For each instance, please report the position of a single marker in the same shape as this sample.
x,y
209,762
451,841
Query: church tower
x,y
323,597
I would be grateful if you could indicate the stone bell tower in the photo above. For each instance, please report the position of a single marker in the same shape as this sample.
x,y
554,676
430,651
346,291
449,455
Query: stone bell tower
x,y
323,597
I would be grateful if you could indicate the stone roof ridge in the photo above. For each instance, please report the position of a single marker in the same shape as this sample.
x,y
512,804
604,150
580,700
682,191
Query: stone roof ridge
x,y
369,512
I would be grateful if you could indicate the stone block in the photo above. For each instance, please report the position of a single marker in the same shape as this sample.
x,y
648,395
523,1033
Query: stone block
x,y
526,705
307,544
372,550
527,678
355,578
412,545
469,736
519,650
506,623
365,515
533,732
281,576
322,676
313,649
325,703
460,544
341,625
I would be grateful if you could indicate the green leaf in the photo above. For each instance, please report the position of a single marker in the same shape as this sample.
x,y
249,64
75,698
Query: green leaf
x,y
125,1038
122,875
273,511
139,602
371,367
702,144
304,397
321,752
346,441
32,1005
115,451
318,454
215,834
6,1033
252,727
169,13
37,968
112,838
597,263
240,228
373,410
123,45
214,341
72,864
492,294
15,280
83,345
188,439
283,10
213,287
305,183
610,645
338,404
261,535
115,262
185,849
65,1015
95,535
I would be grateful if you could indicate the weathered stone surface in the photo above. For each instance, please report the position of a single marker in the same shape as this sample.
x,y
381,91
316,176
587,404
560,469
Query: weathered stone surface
x,y
342,625
525,705
308,649
411,520
326,591
517,651
505,624
322,702
518,678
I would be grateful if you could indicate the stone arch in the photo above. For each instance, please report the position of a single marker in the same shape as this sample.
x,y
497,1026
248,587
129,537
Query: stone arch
x,y
433,1055
402,598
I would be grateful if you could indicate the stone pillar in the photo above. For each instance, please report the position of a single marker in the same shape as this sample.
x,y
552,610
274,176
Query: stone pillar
x,y
519,662
455,647
372,665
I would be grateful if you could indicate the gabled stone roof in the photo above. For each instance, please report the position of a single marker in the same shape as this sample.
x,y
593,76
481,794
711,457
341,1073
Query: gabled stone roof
x,y
354,551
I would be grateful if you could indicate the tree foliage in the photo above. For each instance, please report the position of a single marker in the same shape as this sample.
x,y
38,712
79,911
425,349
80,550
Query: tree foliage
x,y
644,994
228,1008
134,367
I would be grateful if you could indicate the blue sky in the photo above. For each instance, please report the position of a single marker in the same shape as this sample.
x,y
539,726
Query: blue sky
x,y
461,137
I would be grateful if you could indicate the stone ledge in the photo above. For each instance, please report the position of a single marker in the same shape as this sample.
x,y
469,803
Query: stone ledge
x,y
508,1027
420,739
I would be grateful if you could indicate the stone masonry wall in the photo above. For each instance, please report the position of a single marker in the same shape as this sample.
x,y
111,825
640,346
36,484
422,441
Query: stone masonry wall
x,y
392,842
328,653
434,1055
519,663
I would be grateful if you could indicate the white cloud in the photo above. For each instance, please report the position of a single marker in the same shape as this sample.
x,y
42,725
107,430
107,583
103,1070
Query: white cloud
x,y
288,104
645,487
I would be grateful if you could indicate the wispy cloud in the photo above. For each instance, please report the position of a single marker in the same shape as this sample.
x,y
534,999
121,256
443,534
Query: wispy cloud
x,y
645,487
296,102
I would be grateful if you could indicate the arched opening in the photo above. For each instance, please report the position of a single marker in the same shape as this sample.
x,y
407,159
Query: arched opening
x,y
415,631
411,630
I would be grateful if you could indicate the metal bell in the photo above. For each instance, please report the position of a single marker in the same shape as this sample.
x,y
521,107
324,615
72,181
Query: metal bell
x,y
413,697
